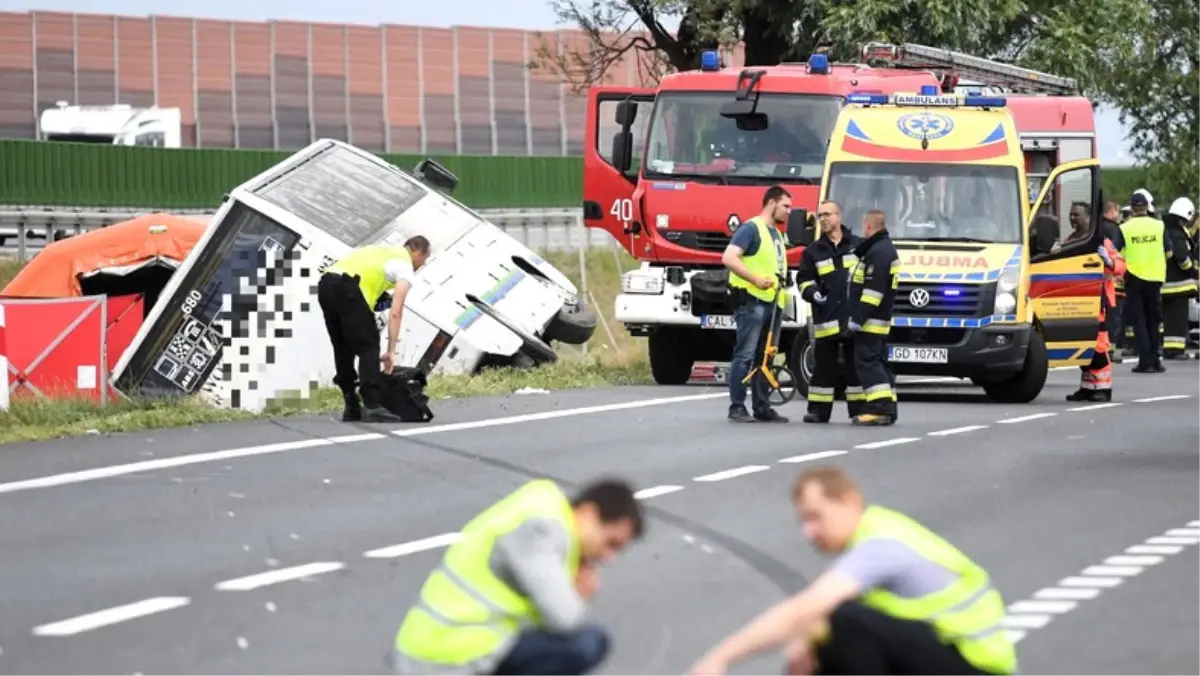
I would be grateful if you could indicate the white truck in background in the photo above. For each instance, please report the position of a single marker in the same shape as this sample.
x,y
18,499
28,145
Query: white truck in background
x,y
118,124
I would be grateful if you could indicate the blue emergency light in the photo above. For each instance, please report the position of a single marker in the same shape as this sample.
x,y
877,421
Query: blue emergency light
x,y
929,90
710,60
818,64
951,292
985,101
867,99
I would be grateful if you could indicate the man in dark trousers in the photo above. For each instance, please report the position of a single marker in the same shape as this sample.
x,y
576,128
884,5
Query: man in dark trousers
x,y
1146,251
872,294
824,281
348,292
1180,286
1110,224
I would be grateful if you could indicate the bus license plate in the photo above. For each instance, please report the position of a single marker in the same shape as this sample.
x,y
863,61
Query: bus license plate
x,y
717,322
919,355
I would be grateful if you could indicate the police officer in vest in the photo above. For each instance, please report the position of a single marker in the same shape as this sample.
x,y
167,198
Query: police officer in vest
x,y
510,595
899,599
1146,251
824,281
872,294
757,261
348,292
1180,285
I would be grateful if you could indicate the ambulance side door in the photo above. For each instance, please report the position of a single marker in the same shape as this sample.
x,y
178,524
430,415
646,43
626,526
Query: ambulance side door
x,y
1065,283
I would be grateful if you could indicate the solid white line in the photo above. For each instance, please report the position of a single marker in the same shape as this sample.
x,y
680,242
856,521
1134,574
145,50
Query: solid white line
x,y
1090,581
406,548
285,446
103,618
276,576
1093,407
551,415
1023,418
1154,549
1066,593
811,456
1025,621
732,473
1169,397
1103,571
1161,540
1039,607
1194,524
1015,635
1184,532
957,430
1132,560
888,442
655,491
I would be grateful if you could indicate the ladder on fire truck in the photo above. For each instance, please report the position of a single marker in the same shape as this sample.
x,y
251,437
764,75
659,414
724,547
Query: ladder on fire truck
x,y
991,73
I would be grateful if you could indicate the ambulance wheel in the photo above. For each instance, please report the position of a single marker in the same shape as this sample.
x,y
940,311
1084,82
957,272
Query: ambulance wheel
x,y
531,346
671,356
574,325
1025,386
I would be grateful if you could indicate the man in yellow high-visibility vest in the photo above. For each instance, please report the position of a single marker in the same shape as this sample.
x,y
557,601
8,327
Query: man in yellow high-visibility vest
x,y
898,600
1146,250
347,293
510,595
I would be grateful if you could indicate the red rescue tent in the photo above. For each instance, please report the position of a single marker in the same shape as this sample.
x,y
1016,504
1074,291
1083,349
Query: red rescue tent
x,y
136,257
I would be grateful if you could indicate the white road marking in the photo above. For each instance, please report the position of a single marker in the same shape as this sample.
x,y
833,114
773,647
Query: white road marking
x,y
1024,418
1154,549
1041,607
1015,635
406,548
1174,540
111,471
655,491
1091,581
103,618
888,442
732,473
1184,532
276,576
1124,571
1093,407
1066,593
1025,621
957,430
1132,560
1169,397
808,457
1193,524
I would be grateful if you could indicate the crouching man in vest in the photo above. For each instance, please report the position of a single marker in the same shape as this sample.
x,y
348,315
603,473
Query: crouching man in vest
x,y
509,597
347,293
898,600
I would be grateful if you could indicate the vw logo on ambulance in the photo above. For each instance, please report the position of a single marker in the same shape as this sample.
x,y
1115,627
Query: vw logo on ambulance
x,y
918,298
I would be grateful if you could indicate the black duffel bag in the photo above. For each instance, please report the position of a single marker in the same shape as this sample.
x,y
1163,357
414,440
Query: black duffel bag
x,y
403,393
710,292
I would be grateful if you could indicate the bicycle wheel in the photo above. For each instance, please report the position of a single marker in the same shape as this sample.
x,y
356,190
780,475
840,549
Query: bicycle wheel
x,y
787,386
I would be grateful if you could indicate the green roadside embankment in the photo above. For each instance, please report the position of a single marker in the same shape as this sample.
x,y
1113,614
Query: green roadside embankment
x,y
612,358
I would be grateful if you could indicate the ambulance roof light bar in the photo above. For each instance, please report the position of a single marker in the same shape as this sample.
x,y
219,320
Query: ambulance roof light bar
x,y
925,98
1019,80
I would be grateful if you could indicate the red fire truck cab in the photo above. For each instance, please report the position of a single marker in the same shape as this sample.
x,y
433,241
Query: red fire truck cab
x,y
709,143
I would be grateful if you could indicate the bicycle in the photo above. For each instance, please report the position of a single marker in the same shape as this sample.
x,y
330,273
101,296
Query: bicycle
x,y
780,379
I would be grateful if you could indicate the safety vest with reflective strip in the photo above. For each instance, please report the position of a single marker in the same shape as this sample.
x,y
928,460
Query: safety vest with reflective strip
x,y
367,263
1145,255
768,261
465,614
967,614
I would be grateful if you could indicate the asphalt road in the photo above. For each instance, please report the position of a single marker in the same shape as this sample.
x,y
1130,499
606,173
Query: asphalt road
x,y
295,546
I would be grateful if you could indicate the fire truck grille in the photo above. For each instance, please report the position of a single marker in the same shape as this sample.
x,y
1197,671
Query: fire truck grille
x,y
703,241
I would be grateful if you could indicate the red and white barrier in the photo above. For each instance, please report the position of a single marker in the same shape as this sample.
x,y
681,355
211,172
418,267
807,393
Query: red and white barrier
x,y
3,365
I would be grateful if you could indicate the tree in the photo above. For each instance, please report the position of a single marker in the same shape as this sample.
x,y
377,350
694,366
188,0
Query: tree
x,y
1156,85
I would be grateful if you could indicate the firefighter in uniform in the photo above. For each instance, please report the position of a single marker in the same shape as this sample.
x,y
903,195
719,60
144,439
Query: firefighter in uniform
x,y
1095,381
1146,250
1180,285
872,294
824,281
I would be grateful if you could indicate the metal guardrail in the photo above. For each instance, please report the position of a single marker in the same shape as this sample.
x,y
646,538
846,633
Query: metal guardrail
x,y
24,230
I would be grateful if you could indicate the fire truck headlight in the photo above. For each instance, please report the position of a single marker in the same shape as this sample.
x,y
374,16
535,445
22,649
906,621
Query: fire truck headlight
x,y
642,281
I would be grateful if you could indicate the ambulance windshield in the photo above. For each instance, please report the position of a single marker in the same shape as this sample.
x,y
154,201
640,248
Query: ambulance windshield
x,y
690,139
932,201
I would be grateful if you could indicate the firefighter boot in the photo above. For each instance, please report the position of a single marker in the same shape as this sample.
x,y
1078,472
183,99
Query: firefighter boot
x,y
1090,395
872,419
352,409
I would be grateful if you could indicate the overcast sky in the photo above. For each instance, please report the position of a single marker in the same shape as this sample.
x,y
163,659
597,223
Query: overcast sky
x,y
529,14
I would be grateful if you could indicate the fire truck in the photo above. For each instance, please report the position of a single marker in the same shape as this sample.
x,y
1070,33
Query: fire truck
x,y
709,143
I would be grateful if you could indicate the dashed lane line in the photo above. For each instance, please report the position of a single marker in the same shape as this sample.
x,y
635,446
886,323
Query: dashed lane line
x,y
1093,407
1051,602
251,582
887,442
1025,418
732,473
406,548
103,618
1169,397
655,491
809,457
957,430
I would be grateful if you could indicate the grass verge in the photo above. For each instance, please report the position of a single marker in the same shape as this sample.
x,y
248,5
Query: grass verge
x,y
612,358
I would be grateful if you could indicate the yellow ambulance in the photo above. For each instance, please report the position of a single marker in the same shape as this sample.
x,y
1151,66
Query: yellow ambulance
x,y
997,283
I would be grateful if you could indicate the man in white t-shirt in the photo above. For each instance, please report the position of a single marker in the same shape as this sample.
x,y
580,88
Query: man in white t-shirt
x,y
348,293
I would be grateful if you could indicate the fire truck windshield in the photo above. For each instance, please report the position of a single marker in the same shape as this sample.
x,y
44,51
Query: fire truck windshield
x,y
688,138
947,202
